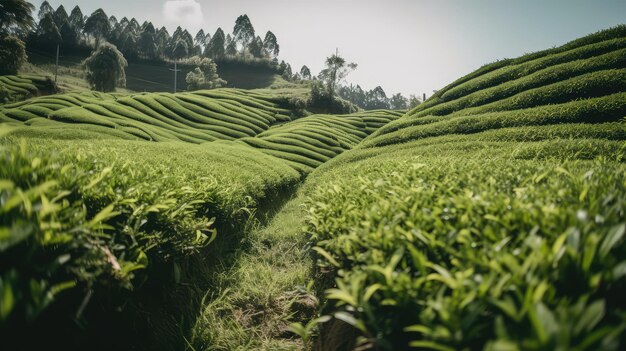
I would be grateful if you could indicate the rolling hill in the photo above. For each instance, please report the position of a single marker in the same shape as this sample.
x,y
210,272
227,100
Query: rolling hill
x,y
489,217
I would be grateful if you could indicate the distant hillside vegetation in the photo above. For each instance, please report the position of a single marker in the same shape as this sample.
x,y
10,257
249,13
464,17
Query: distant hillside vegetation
x,y
156,76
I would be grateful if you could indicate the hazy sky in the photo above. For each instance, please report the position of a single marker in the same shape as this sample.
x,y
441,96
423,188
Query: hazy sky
x,y
408,46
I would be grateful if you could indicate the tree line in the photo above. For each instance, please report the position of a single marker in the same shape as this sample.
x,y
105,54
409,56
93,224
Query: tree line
x,y
376,99
145,41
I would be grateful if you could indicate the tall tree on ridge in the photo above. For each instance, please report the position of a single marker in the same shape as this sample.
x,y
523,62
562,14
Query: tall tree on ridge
x,y
271,44
243,31
147,41
47,30
256,48
215,48
77,20
200,38
60,16
180,50
45,8
398,102
337,69
305,72
98,25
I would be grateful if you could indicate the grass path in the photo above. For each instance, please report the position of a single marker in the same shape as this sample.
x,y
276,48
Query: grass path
x,y
261,290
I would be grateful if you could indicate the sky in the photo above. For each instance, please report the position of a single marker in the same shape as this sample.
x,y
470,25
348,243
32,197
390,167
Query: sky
x,y
406,46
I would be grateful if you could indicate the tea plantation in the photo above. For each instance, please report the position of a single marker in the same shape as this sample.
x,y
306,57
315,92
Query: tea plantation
x,y
20,87
490,217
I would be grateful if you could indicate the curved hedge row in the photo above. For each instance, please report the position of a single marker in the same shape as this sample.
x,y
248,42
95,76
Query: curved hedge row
x,y
191,117
309,142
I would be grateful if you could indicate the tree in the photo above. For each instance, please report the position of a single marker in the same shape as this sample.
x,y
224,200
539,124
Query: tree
x,y
147,41
186,36
204,76
354,94
256,48
105,68
200,38
16,14
231,48
282,67
128,44
414,101
270,44
44,9
305,72
48,32
376,99
288,73
180,50
12,54
335,72
243,31
60,16
398,102
161,40
77,20
68,34
215,49
98,25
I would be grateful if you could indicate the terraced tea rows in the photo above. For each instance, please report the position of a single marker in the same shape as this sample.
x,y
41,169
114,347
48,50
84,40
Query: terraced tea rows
x,y
151,198
115,218
309,142
24,86
490,217
197,117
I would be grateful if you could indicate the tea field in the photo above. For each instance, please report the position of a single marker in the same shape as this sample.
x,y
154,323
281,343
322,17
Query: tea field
x,y
490,217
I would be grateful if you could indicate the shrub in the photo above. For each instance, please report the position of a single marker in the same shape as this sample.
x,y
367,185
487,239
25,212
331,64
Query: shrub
x,y
204,76
105,68
12,55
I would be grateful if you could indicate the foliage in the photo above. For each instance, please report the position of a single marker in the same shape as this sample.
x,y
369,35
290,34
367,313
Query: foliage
x,y
337,69
12,55
180,49
243,31
492,219
15,14
215,48
305,73
47,31
256,48
106,68
398,102
270,44
21,87
204,76
97,25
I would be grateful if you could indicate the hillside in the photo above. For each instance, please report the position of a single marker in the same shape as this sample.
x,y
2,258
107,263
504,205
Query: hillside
x,y
157,76
20,87
492,216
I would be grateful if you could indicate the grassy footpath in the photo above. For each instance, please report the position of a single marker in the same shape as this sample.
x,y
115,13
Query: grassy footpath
x,y
262,289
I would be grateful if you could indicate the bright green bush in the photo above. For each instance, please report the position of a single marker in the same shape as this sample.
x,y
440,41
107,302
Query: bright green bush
x,y
96,216
462,251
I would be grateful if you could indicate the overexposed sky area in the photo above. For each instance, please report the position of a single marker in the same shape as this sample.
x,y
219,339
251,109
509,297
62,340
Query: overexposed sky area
x,y
407,46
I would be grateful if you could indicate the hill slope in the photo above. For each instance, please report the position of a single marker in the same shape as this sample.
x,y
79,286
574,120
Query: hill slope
x,y
489,217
